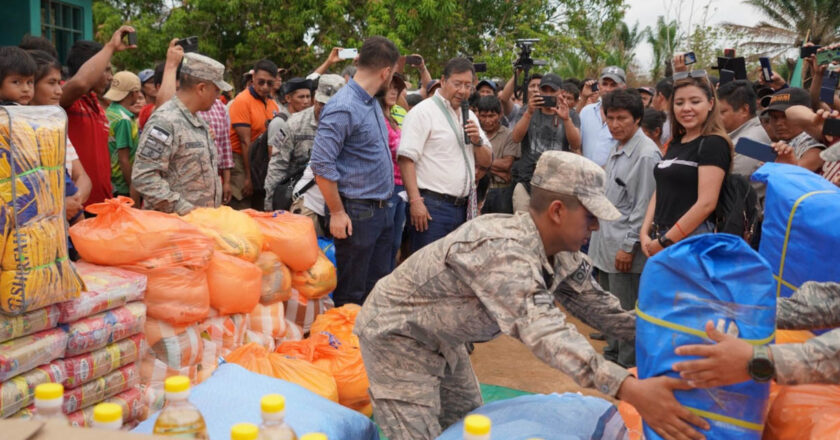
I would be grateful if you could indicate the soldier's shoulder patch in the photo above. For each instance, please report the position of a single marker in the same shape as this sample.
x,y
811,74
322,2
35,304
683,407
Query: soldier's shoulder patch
x,y
583,271
543,299
160,134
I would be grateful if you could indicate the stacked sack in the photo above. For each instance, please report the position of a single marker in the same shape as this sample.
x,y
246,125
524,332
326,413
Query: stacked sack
x,y
90,344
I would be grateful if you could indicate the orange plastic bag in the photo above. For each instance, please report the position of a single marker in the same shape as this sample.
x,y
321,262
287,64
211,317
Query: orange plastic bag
x,y
121,235
804,412
631,417
303,311
234,232
235,284
318,280
290,236
256,358
276,279
339,322
792,336
269,320
178,295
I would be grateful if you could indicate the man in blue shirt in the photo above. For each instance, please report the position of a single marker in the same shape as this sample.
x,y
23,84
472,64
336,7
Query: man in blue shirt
x,y
353,169
596,137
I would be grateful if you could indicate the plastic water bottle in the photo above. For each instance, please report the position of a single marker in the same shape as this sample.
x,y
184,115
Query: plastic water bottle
x,y
244,431
273,414
477,427
314,436
49,398
107,416
179,417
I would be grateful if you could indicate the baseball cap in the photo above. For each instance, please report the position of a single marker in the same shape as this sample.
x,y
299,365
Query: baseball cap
x,y
328,85
571,174
123,83
648,90
430,87
146,75
487,82
551,80
206,68
786,98
614,73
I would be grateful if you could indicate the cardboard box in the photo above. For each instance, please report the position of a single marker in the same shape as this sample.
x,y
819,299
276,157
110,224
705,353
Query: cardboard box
x,y
19,429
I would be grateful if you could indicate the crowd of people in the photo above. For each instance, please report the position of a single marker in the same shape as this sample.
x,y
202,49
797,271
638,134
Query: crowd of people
x,y
392,171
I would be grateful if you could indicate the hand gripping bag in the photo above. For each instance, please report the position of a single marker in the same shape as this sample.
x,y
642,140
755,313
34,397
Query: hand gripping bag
x,y
711,277
235,285
317,281
290,236
233,232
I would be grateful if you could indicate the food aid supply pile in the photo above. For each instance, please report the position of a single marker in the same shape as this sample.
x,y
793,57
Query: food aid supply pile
x,y
36,271
91,345
712,277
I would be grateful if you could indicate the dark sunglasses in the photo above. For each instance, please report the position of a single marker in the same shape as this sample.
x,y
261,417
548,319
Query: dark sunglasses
x,y
264,82
700,74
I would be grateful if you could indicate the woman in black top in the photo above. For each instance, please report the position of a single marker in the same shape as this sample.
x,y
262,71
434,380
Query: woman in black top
x,y
689,178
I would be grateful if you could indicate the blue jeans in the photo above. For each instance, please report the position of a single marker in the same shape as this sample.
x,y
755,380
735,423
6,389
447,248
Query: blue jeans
x,y
364,257
446,217
398,208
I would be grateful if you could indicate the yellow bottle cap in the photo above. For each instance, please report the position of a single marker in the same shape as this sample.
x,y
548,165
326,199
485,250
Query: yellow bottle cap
x,y
177,384
477,424
272,403
314,436
49,391
244,431
107,413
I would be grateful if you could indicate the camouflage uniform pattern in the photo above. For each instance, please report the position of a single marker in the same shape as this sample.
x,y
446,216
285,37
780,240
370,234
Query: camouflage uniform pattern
x,y
290,149
813,306
489,276
175,169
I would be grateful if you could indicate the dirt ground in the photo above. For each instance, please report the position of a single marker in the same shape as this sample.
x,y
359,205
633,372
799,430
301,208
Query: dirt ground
x,y
506,362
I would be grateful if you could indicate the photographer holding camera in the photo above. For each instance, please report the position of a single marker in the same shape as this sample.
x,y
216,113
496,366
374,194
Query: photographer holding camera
x,y
550,125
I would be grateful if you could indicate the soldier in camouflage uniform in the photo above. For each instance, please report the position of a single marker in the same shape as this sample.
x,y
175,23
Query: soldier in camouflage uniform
x,y
503,273
175,169
292,143
813,306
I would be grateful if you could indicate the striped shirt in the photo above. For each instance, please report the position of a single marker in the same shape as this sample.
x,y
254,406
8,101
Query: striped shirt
x,y
219,121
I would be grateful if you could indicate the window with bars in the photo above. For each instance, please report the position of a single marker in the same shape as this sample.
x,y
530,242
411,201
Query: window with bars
x,y
61,23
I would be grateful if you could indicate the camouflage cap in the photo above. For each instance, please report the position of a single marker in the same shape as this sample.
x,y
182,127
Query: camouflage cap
x,y
328,85
206,68
574,175
122,84
831,154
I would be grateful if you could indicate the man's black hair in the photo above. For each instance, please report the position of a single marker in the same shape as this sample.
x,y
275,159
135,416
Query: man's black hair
x,y
578,83
413,99
489,103
458,65
44,62
158,80
624,99
266,66
473,101
739,93
29,42
80,52
533,77
570,87
16,61
653,119
665,87
378,53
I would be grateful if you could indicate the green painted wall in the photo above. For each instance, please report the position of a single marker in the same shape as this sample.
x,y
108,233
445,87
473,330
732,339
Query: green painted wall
x,y
24,17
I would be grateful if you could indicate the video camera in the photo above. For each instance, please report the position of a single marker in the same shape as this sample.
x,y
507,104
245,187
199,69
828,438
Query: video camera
x,y
524,64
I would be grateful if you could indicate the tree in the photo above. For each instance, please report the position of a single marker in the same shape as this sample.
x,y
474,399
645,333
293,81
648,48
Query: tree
x,y
663,40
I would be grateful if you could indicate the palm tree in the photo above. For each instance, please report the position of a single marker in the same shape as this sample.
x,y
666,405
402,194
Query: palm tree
x,y
626,40
663,40
788,22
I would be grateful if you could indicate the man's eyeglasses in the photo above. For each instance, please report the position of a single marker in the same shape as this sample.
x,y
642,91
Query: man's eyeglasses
x,y
461,85
265,82
700,74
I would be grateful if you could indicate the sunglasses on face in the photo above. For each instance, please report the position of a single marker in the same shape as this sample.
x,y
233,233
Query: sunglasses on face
x,y
693,74
265,82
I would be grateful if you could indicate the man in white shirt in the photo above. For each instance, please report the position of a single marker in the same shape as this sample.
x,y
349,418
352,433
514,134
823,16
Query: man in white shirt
x,y
596,137
437,165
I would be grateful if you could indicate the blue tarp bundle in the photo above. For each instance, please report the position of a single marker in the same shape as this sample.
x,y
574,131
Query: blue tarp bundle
x,y
712,277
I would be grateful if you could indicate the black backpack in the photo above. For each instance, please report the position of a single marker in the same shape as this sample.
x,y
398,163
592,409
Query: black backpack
x,y
259,158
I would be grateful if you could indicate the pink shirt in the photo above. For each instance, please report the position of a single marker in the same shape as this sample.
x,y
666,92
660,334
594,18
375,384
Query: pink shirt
x,y
394,144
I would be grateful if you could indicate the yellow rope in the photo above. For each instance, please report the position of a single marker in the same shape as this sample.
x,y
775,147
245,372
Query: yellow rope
x,y
780,276
692,331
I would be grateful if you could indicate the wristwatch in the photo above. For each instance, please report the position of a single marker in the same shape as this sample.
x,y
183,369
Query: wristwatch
x,y
665,241
761,368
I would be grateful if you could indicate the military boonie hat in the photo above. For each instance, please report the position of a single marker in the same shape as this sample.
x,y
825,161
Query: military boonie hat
x,y
571,174
328,85
123,83
206,68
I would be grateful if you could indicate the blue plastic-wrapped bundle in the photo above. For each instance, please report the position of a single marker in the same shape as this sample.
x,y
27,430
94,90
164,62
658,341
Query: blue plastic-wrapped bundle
x,y
799,236
711,277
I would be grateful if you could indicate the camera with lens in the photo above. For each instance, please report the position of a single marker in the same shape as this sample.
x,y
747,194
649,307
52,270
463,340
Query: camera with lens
x,y
524,64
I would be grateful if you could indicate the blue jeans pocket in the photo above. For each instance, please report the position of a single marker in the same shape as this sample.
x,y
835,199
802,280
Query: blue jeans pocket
x,y
358,211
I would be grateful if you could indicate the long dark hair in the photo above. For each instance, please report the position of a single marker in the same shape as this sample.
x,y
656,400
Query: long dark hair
x,y
712,125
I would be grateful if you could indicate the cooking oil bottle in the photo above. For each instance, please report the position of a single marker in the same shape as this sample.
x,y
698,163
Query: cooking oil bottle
x,y
179,417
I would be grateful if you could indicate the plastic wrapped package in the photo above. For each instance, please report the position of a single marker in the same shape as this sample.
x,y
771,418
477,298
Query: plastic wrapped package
x,y
176,346
276,280
303,311
712,277
233,232
31,322
317,281
86,367
235,285
804,412
227,332
338,322
268,320
257,359
106,288
24,290
19,391
100,389
131,401
23,354
290,236
294,332
105,328
328,248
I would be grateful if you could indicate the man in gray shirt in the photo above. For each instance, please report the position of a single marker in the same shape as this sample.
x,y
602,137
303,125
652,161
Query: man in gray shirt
x,y
615,248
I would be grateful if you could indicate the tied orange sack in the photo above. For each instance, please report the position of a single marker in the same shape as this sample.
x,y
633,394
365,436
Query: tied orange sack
x,y
176,294
804,412
276,279
256,358
233,232
235,284
339,322
317,281
290,236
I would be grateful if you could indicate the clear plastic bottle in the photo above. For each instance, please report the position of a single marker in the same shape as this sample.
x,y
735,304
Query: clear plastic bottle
x,y
49,398
314,436
476,427
180,418
244,431
273,414
107,416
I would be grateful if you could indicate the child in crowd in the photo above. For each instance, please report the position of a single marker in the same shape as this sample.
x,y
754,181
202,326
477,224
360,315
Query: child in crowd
x,y
17,76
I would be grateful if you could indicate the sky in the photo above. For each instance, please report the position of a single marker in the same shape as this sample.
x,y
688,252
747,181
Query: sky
x,y
646,12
